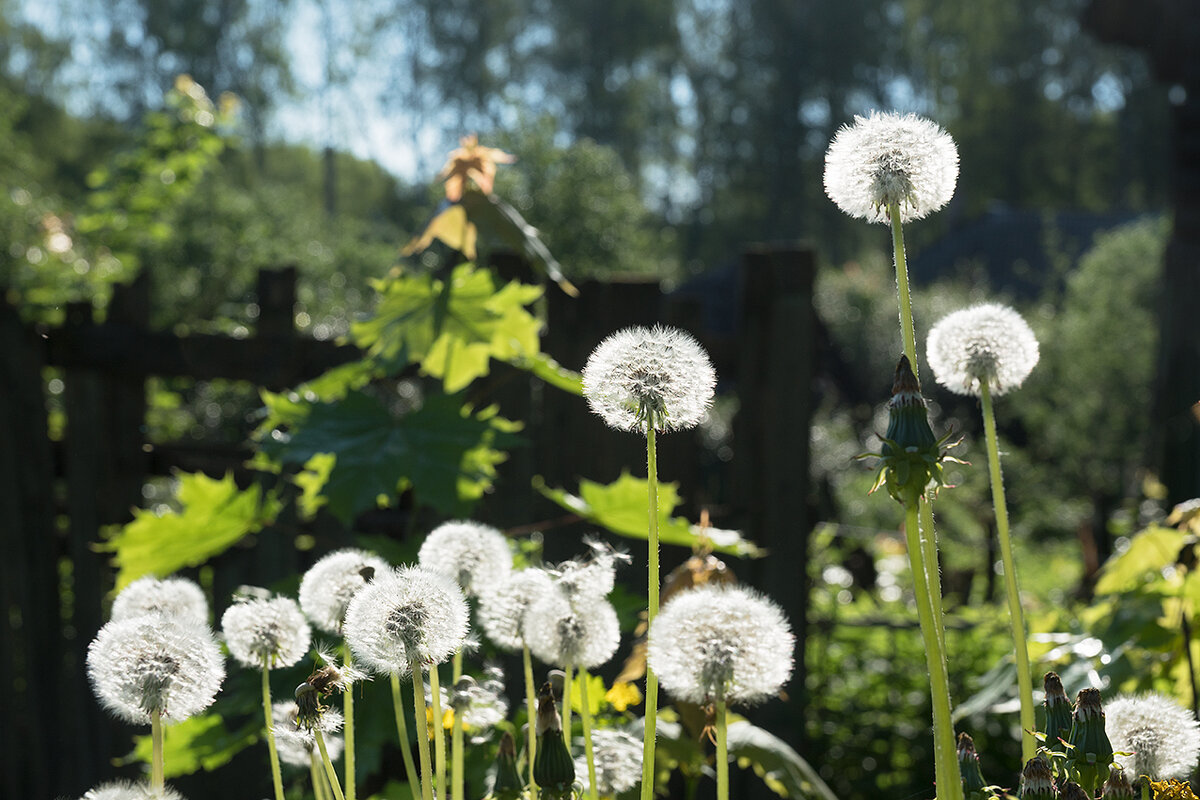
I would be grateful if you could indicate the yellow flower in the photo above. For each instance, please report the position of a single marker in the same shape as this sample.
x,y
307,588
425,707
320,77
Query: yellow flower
x,y
447,720
1172,789
623,695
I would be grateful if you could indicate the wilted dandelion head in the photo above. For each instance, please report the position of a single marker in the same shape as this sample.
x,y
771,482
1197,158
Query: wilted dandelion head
x,y
721,641
618,759
891,159
296,743
502,610
584,635
641,376
988,342
328,585
590,577
177,598
473,555
151,663
406,613
130,790
1163,736
266,632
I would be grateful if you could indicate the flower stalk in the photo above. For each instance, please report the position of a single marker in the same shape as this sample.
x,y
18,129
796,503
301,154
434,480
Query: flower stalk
x,y
439,737
531,712
410,767
651,716
276,776
722,750
585,714
330,772
157,780
421,715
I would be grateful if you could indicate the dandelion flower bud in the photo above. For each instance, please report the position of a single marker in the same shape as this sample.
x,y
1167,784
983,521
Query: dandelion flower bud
x,y
1091,752
560,633
1072,791
152,664
985,343
1162,735
474,556
406,613
128,790
618,759
1117,787
1058,712
295,743
649,376
717,642
889,159
502,611
176,598
1037,780
968,764
326,589
509,784
266,632
553,769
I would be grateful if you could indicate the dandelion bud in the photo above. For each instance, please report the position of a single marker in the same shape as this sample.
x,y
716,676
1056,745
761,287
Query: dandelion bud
x,y
989,343
721,642
1162,735
618,760
509,784
584,635
1072,791
889,159
151,664
266,632
328,585
1092,754
474,556
640,377
1058,712
502,611
553,769
1117,787
1037,781
175,598
968,763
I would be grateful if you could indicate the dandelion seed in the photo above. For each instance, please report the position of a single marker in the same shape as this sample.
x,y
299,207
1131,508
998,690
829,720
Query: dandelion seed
x,y
989,342
482,706
328,585
403,614
266,632
618,757
296,744
649,376
129,790
176,598
584,636
589,578
721,641
473,555
1163,736
502,611
152,664
890,159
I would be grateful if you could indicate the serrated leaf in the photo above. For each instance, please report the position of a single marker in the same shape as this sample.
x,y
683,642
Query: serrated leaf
x,y
621,507
780,767
213,516
1149,551
198,743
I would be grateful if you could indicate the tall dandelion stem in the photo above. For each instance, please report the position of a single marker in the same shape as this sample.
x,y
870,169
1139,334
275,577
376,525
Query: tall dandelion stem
x,y
531,710
330,772
933,571
421,714
276,776
651,611
439,737
318,780
410,767
722,751
348,736
585,714
1016,614
456,756
568,678
156,751
907,328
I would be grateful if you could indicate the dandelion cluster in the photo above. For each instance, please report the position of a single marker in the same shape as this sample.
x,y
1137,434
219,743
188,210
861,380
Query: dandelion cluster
x,y
985,343
270,632
473,555
502,611
178,598
657,376
618,758
129,790
889,159
1163,736
721,642
328,585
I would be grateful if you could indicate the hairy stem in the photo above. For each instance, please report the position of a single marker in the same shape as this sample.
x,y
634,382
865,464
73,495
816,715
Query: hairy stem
x,y
907,329
348,736
410,767
439,736
330,772
276,776
156,752
318,780
585,714
568,679
531,712
651,611
421,716
722,751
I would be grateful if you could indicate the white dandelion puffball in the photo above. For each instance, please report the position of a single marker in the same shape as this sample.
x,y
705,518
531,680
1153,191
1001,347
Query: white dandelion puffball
x,y
151,663
592,577
560,633
989,342
618,759
721,641
178,598
891,159
270,632
129,790
502,611
295,744
328,585
1162,735
404,614
473,555
658,375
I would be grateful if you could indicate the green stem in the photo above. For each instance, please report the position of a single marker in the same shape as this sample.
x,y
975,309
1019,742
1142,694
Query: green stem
x,y
457,668
907,328
410,767
439,736
348,735
722,751
933,571
318,780
157,780
651,612
531,712
276,776
1015,613
330,772
457,778
566,704
585,714
421,717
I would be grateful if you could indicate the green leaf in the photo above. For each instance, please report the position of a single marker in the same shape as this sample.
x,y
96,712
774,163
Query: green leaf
x,y
441,450
553,373
780,767
451,328
213,516
198,743
621,507
1149,551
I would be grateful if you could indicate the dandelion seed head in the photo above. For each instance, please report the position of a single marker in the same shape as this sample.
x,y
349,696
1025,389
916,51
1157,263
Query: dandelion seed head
x,y
270,632
129,790
989,342
406,613
295,743
151,663
560,633
502,611
590,577
473,555
177,598
618,760
328,585
721,640
1163,736
889,158
641,374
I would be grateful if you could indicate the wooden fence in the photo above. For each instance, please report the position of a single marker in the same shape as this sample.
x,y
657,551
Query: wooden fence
x,y
55,496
